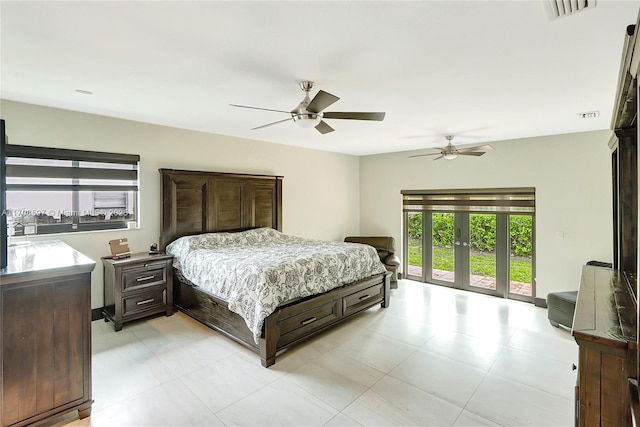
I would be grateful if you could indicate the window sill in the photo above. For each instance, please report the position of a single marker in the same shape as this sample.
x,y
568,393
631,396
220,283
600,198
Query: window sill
x,y
69,228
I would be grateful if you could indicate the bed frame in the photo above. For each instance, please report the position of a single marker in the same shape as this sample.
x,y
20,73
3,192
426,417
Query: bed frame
x,y
201,202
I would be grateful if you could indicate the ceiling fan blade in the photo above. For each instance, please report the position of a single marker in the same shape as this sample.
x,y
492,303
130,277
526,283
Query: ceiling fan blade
x,y
323,127
258,108
438,158
354,116
274,123
321,101
424,155
471,153
477,148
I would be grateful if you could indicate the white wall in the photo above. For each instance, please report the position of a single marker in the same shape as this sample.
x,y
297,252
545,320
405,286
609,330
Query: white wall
x,y
572,177
320,189
329,196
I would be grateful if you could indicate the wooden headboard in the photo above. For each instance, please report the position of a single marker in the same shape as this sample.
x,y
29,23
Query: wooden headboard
x,y
196,202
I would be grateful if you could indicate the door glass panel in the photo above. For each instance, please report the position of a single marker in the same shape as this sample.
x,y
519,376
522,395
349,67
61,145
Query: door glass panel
x,y
414,231
521,252
442,249
482,251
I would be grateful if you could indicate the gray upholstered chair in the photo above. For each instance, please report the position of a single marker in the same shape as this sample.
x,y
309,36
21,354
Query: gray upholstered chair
x,y
386,251
560,308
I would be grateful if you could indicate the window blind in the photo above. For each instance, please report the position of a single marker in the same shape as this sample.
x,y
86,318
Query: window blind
x,y
55,190
88,170
492,200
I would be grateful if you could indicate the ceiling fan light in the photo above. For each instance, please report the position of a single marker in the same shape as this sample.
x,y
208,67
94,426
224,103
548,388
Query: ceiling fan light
x,y
307,120
450,156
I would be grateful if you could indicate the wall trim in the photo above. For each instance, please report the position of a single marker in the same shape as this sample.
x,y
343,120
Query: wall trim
x,y
96,314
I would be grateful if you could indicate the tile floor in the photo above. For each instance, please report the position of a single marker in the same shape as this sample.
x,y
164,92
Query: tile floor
x,y
435,357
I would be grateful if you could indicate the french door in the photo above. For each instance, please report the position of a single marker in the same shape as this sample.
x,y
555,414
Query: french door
x,y
489,253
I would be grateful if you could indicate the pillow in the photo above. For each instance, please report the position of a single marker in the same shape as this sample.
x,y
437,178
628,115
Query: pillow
x,y
210,240
258,235
179,247
243,238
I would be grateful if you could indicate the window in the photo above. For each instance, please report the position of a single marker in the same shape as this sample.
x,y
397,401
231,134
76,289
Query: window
x,y
53,190
480,240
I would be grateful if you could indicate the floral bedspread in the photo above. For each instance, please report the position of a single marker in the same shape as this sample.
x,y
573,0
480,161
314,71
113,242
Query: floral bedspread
x,y
256,270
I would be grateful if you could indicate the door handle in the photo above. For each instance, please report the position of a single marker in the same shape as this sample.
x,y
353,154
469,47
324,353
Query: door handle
x,y
465,244
457,243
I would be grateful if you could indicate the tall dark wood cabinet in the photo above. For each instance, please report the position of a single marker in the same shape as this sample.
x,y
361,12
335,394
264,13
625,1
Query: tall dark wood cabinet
x,y
45,319
604,326
625,221
624,168
624,158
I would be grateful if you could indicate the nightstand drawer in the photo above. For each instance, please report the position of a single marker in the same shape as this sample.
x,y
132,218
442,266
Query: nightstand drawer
x,y
147,301
144,276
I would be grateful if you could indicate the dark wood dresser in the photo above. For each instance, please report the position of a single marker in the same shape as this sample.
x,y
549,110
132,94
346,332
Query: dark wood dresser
x,y
604,326
45,319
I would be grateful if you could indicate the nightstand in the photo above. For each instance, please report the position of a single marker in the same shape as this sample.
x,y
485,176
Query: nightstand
x,y
136,287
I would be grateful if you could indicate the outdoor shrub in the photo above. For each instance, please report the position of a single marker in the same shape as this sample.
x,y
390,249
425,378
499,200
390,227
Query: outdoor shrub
x,y
443,230
521,233
482,232
482,235
415,226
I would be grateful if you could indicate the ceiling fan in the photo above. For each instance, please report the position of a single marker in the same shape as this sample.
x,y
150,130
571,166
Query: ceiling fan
x,y
309,113
450,152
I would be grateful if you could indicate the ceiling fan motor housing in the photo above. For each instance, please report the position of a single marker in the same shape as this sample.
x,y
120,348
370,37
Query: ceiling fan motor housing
x,y
304,117
301,115
307,119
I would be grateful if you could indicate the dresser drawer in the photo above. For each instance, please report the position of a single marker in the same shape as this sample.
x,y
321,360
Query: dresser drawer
x,y
357,301
144,275
147,301
299,325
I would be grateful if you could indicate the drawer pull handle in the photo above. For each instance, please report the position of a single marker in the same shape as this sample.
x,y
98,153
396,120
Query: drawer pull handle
x,y
146,301
142,279
364,297
308,321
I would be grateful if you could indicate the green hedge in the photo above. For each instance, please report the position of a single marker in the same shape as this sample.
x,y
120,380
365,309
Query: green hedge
x,y
482,236
521,235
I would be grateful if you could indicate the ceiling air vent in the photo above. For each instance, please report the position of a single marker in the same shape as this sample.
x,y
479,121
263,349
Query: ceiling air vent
x,y
559,8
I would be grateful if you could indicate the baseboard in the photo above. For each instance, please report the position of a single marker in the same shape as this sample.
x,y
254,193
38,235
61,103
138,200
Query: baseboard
x,y
96,314
540,302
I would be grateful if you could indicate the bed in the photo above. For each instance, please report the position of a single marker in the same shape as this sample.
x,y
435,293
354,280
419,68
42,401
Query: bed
x,y
197,203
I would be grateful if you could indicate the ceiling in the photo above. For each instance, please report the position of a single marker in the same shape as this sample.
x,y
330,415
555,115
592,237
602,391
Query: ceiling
x,y
480,70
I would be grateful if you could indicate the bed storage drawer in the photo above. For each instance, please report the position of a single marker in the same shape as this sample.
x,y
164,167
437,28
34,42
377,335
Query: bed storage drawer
x,y
213,312
299,325
362,299
143,276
